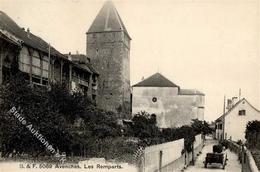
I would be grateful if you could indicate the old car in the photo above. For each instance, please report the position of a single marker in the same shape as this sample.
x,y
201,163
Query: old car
x,y
218,156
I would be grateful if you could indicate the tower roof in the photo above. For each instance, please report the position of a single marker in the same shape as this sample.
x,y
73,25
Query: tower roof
x,y
108,20
156,80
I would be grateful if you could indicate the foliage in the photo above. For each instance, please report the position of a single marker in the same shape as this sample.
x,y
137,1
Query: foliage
x,y
253,126
252,134
53,112
201,127
186,132
33,104
119,148
144,126
71,105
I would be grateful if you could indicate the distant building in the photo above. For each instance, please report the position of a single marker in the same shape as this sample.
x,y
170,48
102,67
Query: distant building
x,y
40,63
173,106
108,46
232,125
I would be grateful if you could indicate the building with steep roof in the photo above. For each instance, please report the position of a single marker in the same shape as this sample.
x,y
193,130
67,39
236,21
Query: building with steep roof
x,y
232,124
173,106
39,62
108,46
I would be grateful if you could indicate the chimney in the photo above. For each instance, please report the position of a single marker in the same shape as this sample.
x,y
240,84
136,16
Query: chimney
x,y
234,101
229,104
28,32
69,56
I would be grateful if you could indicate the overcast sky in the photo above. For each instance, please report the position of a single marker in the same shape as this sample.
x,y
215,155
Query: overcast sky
x,y
209,45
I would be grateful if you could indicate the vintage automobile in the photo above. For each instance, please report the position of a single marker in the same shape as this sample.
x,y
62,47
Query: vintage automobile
x,y
218,156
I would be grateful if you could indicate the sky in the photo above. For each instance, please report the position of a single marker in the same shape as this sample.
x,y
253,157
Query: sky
x,y
208,45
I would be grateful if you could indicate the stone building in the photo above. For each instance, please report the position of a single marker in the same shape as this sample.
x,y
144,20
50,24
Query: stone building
x,y
40,63
108,46
173,106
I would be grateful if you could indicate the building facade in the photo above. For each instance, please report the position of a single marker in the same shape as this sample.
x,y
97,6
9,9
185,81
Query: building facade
x,y
108,46
40,63
232,125
173,106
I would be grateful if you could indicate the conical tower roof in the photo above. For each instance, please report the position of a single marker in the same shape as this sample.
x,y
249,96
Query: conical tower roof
x,y
108,20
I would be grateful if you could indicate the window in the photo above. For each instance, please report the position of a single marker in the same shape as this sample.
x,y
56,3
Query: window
x,y
242,112
154,99
36,80
220,126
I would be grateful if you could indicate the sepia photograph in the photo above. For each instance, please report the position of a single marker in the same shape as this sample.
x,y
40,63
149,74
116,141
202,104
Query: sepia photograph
x,y
129,85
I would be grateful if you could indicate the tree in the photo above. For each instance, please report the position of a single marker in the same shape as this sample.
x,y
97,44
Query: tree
x,y
201,127
144,125
37,107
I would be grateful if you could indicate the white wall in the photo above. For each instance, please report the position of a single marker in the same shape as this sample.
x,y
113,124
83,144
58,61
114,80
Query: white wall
x,y
171,109
171,151
235,125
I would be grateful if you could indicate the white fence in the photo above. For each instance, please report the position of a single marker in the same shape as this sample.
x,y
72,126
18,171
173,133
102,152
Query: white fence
x,y
168,156
158,156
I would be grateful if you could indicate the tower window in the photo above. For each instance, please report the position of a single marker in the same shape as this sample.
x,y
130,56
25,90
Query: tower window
x,y
242,112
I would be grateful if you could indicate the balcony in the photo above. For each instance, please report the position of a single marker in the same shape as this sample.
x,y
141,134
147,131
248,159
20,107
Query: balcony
x,y
80,81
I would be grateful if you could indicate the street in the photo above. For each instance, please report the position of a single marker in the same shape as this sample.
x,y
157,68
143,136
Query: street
x,y
233,164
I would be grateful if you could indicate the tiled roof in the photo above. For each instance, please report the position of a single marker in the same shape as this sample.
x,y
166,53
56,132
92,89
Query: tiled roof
x,y
107,20
92,68
82,61
6,23
156,80
190,92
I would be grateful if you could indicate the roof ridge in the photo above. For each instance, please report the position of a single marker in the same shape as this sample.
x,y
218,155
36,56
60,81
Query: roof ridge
x,y
225,114
156,80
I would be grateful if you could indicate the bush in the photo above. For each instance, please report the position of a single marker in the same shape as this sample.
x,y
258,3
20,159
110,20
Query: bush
x,y
144,126
252,127
52,112
33,104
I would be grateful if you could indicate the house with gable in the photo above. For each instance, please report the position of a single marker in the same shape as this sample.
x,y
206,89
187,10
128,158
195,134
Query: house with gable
x,y
232,124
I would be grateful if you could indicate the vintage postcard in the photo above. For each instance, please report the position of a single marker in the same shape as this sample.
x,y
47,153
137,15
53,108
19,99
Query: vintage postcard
x,y
129,85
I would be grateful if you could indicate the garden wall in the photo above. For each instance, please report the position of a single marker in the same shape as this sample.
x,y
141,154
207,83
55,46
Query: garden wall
x,y
162,155
170,156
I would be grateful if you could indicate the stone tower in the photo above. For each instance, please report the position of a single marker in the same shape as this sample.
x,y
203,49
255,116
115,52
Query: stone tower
x,y
108,47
